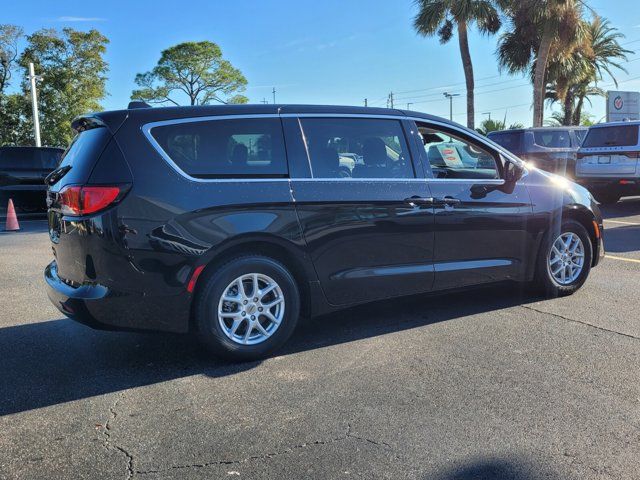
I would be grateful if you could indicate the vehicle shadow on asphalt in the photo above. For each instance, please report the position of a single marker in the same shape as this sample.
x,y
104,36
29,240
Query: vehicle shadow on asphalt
x,y
622,239
496,469
59,361
626,207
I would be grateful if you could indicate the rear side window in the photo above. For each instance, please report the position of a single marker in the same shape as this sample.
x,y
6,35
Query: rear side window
x,y
552,138
512,141
30,158
614,136
251,147
357,148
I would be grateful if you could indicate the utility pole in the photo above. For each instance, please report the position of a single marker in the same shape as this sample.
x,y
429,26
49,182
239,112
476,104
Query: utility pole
x,y
34,104
487,113
450,97
409,105
391,99
264,100
366,103
274,95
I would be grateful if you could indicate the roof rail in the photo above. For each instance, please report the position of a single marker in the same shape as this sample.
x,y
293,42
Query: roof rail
x,y
138,104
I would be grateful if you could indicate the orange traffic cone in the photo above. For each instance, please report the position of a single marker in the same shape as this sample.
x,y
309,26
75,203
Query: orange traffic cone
x,y
12,219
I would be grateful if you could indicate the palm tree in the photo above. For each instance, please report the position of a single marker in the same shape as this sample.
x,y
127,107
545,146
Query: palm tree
x,y
490,125
440,17
574,78
539,30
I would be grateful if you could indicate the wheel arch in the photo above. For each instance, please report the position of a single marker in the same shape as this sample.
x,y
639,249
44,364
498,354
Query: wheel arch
x,y
587,219
292,256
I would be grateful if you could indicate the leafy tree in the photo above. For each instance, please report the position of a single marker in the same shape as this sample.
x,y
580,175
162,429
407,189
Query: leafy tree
x,y
195,69
440,17
490,125
9,36
73,73
557,119
15,120
574,78
538,31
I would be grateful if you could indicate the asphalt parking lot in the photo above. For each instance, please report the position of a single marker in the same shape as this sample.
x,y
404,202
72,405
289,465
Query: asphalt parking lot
x,y
488,384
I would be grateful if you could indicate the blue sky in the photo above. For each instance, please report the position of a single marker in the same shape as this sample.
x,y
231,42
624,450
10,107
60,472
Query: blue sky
x,y
330,52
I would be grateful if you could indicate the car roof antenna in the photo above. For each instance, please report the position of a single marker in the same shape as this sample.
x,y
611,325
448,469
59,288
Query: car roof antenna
x,y
138,104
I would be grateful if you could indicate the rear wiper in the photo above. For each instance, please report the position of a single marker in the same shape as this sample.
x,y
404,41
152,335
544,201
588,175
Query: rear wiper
x,y
57,174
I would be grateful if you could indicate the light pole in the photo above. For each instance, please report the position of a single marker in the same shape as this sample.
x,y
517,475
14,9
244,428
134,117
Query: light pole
x,y
487,113
34,103
450,97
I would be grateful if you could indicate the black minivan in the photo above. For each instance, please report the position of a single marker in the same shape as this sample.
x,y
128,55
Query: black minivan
x,y
232,221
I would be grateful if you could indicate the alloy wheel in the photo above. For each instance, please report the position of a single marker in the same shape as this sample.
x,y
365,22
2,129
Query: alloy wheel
x,y
251,309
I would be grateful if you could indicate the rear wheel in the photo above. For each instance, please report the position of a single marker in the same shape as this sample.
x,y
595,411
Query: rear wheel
x,y
247,308
606,197
565,260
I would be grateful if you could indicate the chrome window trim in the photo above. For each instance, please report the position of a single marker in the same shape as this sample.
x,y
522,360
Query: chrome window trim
x,y
147,127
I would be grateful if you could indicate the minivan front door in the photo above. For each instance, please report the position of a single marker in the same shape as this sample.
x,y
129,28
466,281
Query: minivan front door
x,y
366,214
480,220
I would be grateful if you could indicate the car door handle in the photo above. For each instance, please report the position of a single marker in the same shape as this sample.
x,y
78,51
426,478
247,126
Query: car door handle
x,y
448,201
417,200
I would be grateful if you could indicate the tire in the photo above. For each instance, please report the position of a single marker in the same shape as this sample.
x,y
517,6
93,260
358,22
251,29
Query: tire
x,y
544,279
606,197
240,346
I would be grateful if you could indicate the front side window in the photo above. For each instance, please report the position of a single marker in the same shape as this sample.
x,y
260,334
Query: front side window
x,y
251,147
451,156
356,148
552,138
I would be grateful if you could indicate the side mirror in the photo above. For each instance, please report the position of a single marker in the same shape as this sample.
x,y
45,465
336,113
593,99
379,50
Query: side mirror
x,y
512,172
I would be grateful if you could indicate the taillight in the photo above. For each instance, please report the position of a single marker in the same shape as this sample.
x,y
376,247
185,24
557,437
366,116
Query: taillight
x,y
84,200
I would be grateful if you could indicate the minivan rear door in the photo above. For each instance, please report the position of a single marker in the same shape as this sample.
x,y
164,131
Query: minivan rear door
x,y
364,206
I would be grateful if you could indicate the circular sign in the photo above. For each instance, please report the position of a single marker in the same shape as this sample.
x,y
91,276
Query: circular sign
x,y
618,103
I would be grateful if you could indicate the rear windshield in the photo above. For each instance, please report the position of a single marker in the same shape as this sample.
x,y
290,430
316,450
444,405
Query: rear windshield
x,y
225,148
614,136
552,138
83,153
509,140
29,158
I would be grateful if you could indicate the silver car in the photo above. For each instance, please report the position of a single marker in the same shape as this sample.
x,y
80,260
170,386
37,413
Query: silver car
x,y
607,161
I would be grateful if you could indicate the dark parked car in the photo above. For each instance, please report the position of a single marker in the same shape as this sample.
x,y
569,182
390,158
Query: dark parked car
x,y
550,148
608,161
232,221
22,174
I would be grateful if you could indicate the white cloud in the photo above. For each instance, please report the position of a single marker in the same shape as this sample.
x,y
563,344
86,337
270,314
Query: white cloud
x,y
80,19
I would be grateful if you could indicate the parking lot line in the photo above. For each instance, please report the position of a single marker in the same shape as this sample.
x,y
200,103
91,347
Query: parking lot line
x,y
633,260
621,222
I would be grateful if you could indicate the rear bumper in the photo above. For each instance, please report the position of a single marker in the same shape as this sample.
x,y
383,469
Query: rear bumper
x,y
102,308
623,183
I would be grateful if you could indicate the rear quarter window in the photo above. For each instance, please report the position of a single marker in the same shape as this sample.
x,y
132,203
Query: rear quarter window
x,y
613,136
225,148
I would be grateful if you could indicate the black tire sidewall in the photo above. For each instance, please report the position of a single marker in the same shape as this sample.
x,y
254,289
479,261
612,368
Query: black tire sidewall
x,y
208,297
545,279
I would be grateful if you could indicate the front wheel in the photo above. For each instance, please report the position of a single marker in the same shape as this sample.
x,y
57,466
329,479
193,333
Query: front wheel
x,y
247,308
564,262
